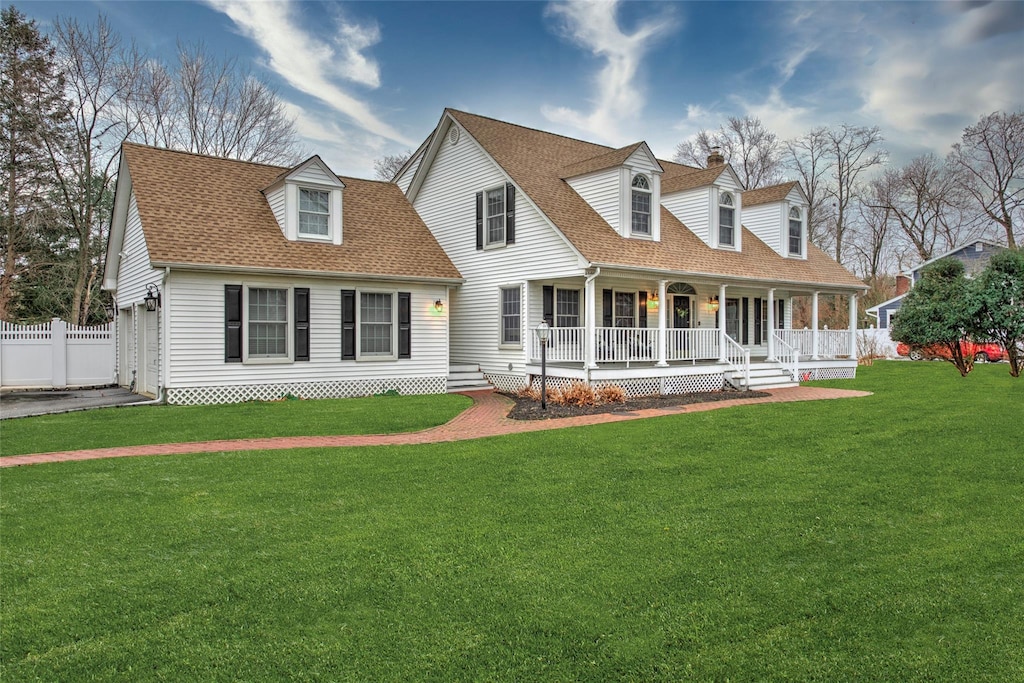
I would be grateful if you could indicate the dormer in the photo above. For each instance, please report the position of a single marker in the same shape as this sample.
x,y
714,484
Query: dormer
x,y
778,216
709,202
624,187
307,202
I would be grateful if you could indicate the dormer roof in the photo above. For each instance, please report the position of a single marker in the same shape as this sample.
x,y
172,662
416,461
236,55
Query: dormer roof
x,y
612,159
772,193
330,177
695,179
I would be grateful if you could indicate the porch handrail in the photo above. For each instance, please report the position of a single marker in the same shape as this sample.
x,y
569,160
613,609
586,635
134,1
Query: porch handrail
x,y
801,340
626,344
787,354
692,343
834,343
738,359
565,345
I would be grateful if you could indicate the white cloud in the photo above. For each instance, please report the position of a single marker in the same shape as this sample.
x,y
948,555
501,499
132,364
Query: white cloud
x,y
784,119
594,27
312,65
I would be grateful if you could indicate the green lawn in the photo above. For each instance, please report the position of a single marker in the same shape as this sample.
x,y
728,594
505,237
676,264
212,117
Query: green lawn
x,y
869,539
134,425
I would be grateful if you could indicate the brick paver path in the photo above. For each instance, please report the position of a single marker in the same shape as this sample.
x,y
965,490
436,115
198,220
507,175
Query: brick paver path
x,y
486,417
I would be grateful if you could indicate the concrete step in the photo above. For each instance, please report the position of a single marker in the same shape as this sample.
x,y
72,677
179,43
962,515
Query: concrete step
x,y
463,367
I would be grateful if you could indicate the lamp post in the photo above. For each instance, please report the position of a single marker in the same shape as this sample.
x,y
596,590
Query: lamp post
x,y
542,334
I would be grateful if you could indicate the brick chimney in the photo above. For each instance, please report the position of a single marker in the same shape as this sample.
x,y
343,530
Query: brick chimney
x,y
715,158
902,284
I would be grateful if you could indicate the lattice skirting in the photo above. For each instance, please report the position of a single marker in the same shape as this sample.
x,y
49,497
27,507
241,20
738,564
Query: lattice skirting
x,y
834,373
647,386
508,383
336,389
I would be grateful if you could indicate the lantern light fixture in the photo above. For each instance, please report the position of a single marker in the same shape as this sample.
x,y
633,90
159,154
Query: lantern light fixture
x,y
152,298
713,304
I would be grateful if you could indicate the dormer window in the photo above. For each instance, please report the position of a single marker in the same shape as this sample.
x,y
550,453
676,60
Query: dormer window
x,y
641,207
796,232
314,213
726,220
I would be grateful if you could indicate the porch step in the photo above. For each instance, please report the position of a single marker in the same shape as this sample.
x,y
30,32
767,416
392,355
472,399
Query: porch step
x,y
467,378
763,376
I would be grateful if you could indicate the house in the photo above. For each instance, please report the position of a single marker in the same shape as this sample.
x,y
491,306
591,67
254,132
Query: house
x,y
236,281
974,256
655,276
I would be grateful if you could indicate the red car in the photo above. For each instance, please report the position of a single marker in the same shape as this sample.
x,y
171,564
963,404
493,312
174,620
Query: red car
x,y
988,352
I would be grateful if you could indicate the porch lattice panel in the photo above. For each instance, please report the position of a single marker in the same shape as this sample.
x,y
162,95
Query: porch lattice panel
x,y
336,389
507,383
834,373
693,384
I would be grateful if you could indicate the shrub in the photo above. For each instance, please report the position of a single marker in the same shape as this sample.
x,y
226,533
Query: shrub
x,y
529,392
576,394
610,393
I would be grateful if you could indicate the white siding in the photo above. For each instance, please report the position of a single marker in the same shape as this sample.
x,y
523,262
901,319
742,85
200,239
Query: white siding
x,y
691,208
603,191
765,221
134,270
197,334
403,181
447,203
276,199
640,161
313,173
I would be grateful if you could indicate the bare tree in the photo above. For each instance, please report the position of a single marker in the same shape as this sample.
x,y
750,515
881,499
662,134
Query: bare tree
x,y
853,150
808,157
754,152
871,234
388,166
990,157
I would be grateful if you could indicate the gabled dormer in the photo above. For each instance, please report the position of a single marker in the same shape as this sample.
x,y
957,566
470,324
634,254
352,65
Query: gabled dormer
x,y
307,202
709,202
624,187
778,216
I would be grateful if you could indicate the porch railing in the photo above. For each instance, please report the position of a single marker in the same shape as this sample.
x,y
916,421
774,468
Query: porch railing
x,y
692,344
787,355
626,344
738,359
801,340
833,343
565,345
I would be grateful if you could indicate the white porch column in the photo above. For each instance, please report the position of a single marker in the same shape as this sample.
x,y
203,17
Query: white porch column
x,y
662,323
814,326
721,325
853,326
591,327
771,324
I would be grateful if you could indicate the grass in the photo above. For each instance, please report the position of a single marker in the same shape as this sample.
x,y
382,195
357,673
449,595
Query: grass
x,y
870,539
135,425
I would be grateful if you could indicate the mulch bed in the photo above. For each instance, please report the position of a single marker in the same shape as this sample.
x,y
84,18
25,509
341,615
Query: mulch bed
x,y
528,409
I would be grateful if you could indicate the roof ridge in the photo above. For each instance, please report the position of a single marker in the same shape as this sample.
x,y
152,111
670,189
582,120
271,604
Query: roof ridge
x,y
535,130
130,143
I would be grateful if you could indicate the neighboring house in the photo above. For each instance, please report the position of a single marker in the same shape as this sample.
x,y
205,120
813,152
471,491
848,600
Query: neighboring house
x,y
975,257
269,281
654,276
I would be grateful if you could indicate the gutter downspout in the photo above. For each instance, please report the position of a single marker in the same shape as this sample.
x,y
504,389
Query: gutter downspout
x,y
163,339
591,331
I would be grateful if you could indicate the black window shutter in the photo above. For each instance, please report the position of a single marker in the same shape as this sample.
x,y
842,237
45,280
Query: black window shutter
x,y
302,323
757,321
232,323
348,324
404,325
781,322
746,321
642,296
479,220
606,301
510,213
549,305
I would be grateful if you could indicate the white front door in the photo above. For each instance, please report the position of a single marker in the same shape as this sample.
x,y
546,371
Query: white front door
x,y
149,362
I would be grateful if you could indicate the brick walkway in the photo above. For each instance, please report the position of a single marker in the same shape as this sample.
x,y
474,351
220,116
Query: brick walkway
x,y
486,417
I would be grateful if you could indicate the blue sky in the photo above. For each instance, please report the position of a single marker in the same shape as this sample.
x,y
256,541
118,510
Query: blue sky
x,y
365,79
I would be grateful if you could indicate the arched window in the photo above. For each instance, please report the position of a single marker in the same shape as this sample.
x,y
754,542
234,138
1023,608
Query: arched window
x,y
641,221
796,232
726,220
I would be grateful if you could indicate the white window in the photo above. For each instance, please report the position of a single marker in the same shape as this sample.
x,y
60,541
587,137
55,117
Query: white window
x,y
268,323
376,325
567,308
726,220
641,207
796,232
494,216
511,316
314,213
625,309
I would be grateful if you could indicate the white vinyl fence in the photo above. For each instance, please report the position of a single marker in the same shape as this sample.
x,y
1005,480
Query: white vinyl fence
x,y
56,354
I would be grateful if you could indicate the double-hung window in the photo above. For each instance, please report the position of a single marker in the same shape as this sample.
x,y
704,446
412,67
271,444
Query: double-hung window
x,y
494,207
625,309
726,220
511,316
641,206
796,232
314,213
567,308
376,325
268,323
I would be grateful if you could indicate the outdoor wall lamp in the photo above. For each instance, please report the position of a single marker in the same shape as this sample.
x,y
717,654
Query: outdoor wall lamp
x,y
652,302
152,298
438,306
713,304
